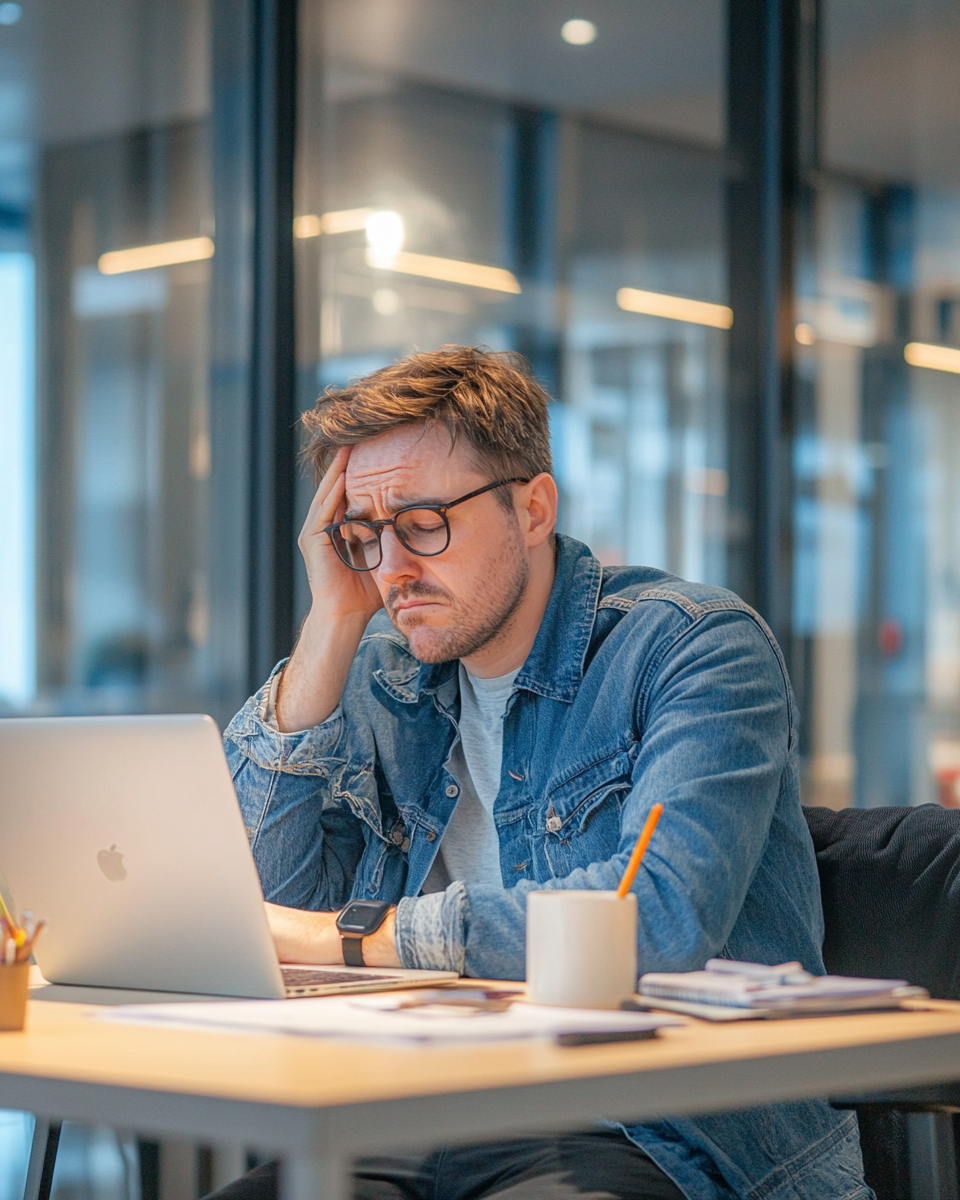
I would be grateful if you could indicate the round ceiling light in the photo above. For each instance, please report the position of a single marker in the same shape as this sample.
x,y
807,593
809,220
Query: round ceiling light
x,y
578,32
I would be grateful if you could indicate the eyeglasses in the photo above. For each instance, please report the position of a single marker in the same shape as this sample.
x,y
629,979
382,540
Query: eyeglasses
x,y
422,528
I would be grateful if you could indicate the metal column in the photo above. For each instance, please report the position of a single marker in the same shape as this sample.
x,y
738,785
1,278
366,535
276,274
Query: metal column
x,y
762,147
274,410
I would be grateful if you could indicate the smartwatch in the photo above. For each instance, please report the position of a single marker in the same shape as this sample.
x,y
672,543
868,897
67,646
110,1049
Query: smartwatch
x,y
358,920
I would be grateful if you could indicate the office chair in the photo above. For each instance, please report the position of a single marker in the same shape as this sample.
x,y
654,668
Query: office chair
x,y
890,886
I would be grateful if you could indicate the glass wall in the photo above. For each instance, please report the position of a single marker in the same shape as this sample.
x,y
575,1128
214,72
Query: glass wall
x,y
502,175
106,262
877,460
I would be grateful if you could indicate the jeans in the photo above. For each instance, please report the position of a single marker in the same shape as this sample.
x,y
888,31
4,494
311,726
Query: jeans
x,y
598,1164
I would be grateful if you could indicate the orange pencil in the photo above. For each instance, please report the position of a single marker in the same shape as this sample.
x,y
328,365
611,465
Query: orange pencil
x,y
19,935
639,850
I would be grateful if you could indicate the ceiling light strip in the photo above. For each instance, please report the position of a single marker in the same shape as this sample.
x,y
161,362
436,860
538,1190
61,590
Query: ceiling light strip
x,y
342,220
675,308
448,270
160,254
934,358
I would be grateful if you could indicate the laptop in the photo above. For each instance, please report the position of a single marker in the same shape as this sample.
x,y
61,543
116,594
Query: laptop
x,y
125,834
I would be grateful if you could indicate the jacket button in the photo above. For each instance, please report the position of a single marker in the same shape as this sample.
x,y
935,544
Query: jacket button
x,y
431,836
452,790
553,823
405,844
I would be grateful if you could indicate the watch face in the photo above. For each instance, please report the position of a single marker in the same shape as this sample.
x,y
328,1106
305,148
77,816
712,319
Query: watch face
x,y
362,917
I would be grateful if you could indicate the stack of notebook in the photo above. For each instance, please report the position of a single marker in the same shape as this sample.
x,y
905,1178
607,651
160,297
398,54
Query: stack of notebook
x,y
727,990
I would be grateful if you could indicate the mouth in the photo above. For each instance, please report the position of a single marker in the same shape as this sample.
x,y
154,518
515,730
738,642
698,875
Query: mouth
x,y
403,601
411,604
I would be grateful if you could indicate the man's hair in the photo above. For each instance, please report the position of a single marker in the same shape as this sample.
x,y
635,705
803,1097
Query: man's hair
x,y
488,398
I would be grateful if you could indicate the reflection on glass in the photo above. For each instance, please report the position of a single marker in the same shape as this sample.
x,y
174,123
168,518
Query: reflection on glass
x,y
877,515
17,485
493,176
106,237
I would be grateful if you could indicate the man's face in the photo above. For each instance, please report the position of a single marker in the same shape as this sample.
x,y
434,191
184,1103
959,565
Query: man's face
x,y
460,601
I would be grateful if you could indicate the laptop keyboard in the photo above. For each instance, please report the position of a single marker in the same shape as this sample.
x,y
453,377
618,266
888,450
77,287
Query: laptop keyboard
x,y
304,977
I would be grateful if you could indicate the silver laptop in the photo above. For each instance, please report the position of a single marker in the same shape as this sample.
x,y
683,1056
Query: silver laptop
x,y
125,834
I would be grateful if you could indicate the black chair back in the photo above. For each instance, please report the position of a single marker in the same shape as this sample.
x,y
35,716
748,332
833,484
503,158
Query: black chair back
x,y
890,884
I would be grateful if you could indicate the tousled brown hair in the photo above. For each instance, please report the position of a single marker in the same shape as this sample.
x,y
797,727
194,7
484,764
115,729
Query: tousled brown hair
x,y
489,398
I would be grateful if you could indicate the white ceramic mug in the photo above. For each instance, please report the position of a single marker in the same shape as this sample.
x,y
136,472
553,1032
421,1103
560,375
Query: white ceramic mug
x,y
581,948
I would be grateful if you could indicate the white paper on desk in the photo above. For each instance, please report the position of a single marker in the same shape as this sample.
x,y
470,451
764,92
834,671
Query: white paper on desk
x,y
376,1018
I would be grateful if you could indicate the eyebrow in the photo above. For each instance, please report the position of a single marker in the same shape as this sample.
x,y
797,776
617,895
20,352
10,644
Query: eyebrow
x,y
360,514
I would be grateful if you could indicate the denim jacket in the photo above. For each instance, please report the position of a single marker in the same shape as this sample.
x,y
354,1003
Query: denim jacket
x,y
640,687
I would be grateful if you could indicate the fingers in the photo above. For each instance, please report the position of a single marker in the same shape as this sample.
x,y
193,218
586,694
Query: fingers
x,y
327,503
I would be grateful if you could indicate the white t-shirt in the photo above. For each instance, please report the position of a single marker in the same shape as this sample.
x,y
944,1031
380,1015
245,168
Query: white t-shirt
x,y
470,849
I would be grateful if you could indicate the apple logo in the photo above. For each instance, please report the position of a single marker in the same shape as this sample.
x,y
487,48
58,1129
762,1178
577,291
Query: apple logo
x,y
110,863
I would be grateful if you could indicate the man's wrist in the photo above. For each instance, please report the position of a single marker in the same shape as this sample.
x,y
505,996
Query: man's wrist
x,y
379,947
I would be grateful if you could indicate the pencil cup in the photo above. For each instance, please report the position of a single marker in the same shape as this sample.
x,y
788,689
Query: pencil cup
x,y
13,995
581,948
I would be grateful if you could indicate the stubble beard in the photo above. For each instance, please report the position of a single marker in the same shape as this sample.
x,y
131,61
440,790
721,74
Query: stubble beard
x,y
478,624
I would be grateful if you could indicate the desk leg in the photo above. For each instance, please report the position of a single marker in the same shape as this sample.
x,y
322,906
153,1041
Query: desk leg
x,y
933,1161
43,1158
303,1177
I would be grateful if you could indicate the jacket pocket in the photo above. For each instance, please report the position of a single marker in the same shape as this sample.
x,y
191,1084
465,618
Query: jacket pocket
x,y
580,823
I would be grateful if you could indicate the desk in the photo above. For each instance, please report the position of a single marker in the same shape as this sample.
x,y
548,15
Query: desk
x,y
319,1104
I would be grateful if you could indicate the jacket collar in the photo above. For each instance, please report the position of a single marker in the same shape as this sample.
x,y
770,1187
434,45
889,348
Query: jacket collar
x,y
554,667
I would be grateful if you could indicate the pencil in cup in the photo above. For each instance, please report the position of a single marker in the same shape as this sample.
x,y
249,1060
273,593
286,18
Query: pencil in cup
x,y
13,995
16,943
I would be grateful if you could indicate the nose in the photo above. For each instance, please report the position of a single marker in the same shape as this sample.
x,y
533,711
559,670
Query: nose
x,y
397,563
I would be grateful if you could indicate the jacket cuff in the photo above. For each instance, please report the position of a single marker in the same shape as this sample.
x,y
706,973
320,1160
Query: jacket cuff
x,y
254,731
429,931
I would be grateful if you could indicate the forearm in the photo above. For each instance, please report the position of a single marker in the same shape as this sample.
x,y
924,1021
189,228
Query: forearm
x,y
312,937
313,680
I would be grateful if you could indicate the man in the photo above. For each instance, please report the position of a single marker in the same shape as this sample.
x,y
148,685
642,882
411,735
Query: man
x,y
505,724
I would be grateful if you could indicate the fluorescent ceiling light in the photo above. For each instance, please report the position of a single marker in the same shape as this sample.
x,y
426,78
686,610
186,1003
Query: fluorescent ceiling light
x,y
675,308
936,358
385,233
450,270
805,334
578,32
307,226
160,254
341,220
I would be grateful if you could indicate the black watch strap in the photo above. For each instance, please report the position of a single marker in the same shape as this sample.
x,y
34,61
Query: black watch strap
x,y
352,951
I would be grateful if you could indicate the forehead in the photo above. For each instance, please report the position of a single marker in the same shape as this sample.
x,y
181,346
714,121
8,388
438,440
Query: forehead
x,y
413,460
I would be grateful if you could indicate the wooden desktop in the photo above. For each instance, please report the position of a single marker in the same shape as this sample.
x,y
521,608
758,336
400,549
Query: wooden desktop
x,y
320,1103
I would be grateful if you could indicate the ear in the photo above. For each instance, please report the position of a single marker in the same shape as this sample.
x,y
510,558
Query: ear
x,y
536,506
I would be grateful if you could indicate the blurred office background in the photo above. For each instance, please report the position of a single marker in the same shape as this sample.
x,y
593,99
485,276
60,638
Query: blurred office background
x,y
183,186
726,235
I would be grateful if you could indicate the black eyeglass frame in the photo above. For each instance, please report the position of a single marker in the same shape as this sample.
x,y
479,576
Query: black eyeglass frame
x,y
440,509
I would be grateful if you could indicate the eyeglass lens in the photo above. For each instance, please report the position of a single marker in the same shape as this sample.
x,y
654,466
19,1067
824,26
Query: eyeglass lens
x,y
421,530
